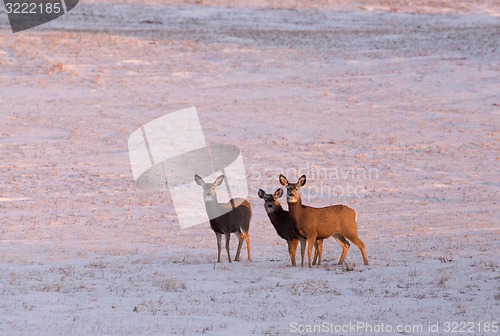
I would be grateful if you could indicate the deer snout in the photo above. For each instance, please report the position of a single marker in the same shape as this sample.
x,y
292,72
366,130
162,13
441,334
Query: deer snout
x,y
291,198
208,194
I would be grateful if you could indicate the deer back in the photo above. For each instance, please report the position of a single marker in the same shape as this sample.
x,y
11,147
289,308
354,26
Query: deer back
x,y
232,219
325,221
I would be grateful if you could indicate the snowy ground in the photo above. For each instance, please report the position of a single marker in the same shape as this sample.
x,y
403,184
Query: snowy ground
x,y
390,108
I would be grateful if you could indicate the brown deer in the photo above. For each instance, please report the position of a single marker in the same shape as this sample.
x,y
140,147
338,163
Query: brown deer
x,y
226,218
284,227
338,221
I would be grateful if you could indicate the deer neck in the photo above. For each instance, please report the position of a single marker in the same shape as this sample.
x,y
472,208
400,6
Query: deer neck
x,y
214,209
275,215
295,209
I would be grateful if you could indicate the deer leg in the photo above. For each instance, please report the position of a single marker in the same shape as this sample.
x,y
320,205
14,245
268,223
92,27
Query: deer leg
x,y
219,238
315,258
292,249
362,247
310,244
247,239
345,246
302,250
240,243
320,246
318,252
289,244
228,238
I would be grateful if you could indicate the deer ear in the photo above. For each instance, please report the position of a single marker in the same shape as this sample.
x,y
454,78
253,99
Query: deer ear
x,y
278,193
218,181
199,181
261,193
283,180
302,181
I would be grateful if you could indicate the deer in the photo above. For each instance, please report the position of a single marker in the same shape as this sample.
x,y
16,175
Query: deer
x,y
284,227
226,218
338,221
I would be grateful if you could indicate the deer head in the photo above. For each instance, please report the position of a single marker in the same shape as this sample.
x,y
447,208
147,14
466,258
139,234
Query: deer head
x,y
271,203
209,194
292,189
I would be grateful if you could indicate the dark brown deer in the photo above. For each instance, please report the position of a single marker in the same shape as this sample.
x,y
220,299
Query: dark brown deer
x,y
226,218
338,221
284,227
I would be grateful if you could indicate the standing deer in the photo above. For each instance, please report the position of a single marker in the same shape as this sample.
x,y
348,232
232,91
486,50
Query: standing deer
x,y
284,226
225,218
338,221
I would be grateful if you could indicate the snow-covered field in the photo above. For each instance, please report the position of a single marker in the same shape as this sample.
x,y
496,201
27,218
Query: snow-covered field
x,y
390,108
